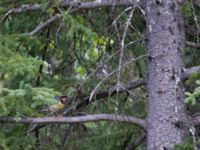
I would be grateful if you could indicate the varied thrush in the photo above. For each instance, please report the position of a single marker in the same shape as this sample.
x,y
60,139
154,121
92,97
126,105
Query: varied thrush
x,y
60,105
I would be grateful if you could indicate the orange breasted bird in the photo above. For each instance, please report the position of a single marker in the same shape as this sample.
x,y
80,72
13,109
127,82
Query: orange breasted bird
x,y
60,105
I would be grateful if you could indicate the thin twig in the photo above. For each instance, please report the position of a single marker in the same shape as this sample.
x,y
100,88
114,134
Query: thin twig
x,y
195,20
108,75
122,45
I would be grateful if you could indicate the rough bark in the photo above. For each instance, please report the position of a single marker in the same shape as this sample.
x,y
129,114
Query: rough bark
x,y
165,92
77,119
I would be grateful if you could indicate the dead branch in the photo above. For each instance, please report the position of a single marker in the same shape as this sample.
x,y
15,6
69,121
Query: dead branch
x,y
136,142
77,119
131,85
192,44
45,24
77,5
189,71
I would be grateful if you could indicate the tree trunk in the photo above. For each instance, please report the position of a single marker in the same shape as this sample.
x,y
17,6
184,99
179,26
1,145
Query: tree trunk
x,y
165,92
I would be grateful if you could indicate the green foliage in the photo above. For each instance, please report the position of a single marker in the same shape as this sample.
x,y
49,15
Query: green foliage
x,y
10,132
26,101
75,46
188,145
104,135
20,66
80,71
3,142
192,97
89,45
14,59
187,10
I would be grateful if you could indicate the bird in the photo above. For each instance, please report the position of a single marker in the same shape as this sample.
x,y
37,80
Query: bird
x,y
60,105
56,108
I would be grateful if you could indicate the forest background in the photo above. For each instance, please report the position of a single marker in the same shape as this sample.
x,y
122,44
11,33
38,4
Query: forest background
x,y
94,54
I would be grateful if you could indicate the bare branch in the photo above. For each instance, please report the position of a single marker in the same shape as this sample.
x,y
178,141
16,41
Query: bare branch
x,y
180,2
137,83
192,44
77,119
93,93
196,21
104,3
122,45
103,94
196,3
189,71
196,120
65,4
77,5
131,85
136,142
22,9
45,24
